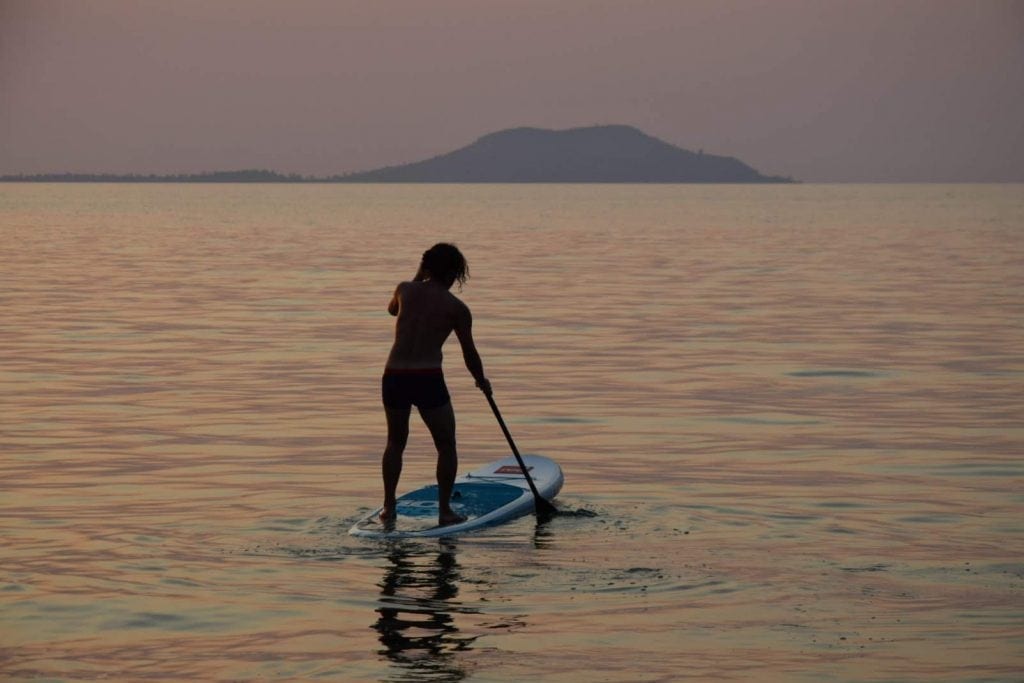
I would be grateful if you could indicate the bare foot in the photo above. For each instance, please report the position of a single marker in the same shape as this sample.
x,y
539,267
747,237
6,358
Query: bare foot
x,y
449,518
387,516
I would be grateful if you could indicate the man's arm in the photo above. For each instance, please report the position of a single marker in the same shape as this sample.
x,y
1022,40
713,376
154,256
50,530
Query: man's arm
x,y
393,306
464,331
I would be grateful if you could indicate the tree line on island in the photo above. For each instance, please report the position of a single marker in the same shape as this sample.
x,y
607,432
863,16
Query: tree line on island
x,y
245,176
595,154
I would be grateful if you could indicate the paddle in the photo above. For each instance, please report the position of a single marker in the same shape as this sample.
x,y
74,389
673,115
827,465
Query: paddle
x,y
544,508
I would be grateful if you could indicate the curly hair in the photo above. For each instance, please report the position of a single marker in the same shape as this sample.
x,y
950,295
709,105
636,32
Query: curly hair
x,y
445,263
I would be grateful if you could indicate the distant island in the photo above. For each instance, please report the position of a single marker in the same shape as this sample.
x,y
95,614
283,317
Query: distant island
x,y
595,154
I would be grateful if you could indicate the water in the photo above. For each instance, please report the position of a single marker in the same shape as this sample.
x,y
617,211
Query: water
x,y
795,413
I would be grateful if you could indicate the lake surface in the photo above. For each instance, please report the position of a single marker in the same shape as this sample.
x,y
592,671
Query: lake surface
x,y
795,412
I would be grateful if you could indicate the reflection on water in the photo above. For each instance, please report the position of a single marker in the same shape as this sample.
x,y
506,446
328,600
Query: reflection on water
x,y
418,605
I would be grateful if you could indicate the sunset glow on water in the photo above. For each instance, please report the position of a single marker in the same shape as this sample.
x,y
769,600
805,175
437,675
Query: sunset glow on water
x,y
795,413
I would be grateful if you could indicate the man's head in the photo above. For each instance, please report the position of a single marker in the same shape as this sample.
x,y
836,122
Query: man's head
x,y
444,263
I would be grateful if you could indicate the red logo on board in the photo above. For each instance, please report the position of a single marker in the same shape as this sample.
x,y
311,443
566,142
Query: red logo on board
x,y
510,469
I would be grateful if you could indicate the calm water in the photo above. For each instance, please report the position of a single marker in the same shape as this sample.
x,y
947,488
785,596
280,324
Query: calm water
x,y
797,413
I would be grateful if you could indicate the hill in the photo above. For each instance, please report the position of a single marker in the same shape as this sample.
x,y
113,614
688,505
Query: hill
x,y
596,154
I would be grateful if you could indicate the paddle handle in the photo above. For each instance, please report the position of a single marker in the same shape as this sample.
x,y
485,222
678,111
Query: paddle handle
x,y
542,505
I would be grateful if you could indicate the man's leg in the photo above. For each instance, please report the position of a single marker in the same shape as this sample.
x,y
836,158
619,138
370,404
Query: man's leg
x,y
391,462
441,423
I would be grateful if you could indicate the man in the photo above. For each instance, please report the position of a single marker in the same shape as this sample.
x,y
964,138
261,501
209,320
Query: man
x,y
427,314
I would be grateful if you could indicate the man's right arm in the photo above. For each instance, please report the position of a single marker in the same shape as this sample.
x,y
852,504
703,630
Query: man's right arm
x,y
464,331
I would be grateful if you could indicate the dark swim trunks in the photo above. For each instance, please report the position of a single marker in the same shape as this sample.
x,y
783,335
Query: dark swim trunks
x,y
402,388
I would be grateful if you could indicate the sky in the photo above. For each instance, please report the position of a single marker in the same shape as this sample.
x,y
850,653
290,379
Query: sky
x,y
820,90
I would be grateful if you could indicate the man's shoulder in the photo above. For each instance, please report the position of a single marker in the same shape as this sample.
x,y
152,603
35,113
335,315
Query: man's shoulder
x,y
457,304
407,285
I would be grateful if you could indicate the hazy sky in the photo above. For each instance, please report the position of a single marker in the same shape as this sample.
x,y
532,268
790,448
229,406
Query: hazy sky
x,y
823,90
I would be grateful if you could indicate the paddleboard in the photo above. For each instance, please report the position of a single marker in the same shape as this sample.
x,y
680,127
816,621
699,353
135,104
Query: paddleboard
x,y
489,495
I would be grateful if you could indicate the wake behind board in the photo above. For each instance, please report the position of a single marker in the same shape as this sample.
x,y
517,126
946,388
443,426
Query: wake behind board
x,y
489,495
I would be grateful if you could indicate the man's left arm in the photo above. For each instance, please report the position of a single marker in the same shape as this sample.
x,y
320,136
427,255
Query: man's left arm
x,y
395,304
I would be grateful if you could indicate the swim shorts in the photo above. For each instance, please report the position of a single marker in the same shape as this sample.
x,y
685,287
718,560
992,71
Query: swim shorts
x,y
402,388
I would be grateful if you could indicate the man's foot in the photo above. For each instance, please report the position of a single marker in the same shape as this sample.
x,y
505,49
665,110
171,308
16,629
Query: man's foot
x,y
449,518
387,516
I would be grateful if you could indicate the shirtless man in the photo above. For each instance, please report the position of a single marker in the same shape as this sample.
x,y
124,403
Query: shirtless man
x,y
427,313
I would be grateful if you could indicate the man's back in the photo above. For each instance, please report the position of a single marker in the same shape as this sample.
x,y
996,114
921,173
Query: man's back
x,y
427,314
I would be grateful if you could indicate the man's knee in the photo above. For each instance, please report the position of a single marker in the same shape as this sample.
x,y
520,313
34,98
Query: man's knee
x,y
396,444
445,443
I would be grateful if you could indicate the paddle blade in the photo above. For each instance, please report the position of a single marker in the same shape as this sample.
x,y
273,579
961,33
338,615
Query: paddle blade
x,y
545,509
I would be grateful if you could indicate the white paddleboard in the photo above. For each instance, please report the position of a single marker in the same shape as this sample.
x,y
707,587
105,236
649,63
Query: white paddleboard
x,y
489,495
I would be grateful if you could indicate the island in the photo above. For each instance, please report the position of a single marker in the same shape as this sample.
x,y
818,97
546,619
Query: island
x,y
593,154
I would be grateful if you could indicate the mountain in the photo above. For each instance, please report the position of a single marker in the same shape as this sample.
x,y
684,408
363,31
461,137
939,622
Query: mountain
x,y
596,154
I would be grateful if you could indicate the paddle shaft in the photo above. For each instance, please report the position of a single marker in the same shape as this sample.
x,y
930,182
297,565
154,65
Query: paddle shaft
x,y
543,506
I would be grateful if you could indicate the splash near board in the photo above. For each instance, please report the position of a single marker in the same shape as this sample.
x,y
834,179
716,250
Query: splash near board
x,y
489,495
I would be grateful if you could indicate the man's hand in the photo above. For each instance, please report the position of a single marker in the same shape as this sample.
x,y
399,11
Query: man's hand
x,y
484,385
